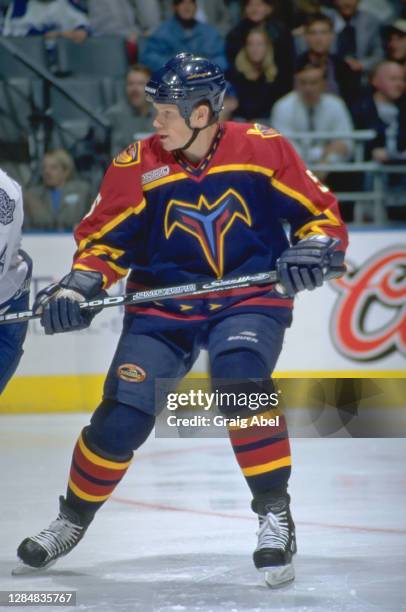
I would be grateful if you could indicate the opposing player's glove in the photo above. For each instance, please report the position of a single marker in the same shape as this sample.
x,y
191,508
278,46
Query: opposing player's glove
x,y
308,263
58,303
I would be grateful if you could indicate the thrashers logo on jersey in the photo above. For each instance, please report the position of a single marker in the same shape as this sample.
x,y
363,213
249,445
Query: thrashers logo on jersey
x,y
209,223
129,156
263,130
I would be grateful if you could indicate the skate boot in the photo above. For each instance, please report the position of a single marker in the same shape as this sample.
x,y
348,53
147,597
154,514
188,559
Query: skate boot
x,y
42,550
276,539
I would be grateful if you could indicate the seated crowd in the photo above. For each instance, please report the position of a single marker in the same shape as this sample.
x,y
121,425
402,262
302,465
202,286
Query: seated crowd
x,y
299,65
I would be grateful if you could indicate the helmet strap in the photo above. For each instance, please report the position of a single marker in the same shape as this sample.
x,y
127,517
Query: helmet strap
x,y
196,132
191,140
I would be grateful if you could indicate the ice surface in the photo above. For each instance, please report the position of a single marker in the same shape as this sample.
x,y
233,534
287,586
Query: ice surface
x,y
179,534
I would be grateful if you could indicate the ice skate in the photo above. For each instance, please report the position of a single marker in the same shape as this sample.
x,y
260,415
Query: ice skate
x,y
41,551
276,540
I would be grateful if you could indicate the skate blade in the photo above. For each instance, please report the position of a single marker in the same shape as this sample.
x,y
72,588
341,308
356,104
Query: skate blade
x,y
279,575
22,569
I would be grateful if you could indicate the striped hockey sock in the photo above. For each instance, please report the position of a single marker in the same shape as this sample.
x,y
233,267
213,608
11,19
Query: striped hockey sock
x,y
263,453
93,476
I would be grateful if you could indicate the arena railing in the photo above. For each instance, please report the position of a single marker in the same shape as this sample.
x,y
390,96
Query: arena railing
x,y
42,119
371,203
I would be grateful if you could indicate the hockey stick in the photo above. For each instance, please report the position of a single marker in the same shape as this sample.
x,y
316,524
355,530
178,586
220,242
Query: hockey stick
x,y
192,289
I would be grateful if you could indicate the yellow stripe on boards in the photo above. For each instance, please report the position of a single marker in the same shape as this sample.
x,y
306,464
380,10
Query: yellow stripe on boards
x,y
83,393
46,394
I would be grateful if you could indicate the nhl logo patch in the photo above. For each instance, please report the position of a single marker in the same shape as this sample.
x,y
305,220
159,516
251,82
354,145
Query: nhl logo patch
x,y
7,208
154,175
131,373
129,156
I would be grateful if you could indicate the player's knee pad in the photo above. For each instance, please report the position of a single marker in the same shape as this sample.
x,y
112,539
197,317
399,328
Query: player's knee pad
x,y
119,428
258,340
239,364
238,377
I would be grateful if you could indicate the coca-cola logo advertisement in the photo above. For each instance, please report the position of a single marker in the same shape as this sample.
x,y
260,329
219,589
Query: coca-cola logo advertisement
x,y
368,321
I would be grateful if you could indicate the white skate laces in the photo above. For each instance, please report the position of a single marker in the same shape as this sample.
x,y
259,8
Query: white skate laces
x,y
59,537
273,531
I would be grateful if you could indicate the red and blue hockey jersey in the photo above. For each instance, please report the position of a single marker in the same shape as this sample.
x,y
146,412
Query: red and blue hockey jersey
x,y
169,222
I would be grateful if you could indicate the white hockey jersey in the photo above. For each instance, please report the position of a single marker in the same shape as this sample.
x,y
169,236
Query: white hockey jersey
x,y
13,268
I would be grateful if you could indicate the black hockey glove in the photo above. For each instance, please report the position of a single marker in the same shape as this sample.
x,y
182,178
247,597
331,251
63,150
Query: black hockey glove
x,y
58,303
307,264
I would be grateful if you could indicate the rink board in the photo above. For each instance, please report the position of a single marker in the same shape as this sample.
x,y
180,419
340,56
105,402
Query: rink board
x,y
354,327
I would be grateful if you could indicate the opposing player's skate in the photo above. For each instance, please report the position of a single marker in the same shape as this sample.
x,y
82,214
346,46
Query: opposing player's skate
x,y
276,539
42,550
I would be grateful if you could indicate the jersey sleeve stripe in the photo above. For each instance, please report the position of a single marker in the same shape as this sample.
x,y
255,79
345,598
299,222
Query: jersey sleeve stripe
x,y
105,249
242,167
296,195
90,253
112,224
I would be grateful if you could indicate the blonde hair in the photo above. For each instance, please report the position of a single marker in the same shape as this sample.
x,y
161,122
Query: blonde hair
x,y
244,65
65,160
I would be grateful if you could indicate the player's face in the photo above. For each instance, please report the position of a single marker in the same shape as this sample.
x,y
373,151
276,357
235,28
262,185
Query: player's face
x,y
319,37
135,88
170,126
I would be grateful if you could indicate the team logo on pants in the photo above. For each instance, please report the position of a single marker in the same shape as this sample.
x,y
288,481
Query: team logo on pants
x,y
131,373
209,223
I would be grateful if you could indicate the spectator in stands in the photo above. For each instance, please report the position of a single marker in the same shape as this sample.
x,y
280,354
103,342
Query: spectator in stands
x,y
60,201
384,110
384,10
258,13
396,42
123,17
51,18
183,32
302,10
127,18
254,77
319,37
358,38
133,114
309,109
215,12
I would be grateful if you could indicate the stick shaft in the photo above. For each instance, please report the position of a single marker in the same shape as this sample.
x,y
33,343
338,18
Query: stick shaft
x,y
191,289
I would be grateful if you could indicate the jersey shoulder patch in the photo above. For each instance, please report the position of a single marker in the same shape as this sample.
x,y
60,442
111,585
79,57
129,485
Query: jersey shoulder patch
x,y
7,208
264,131
129,156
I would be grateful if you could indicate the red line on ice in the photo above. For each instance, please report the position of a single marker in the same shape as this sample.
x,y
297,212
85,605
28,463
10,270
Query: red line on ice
x,y
239,517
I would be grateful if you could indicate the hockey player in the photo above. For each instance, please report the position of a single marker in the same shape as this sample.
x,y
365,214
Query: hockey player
x,y
197,200
15,276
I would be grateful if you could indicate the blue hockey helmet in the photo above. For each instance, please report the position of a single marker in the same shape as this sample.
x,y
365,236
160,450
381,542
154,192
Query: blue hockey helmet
x,y
187,80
